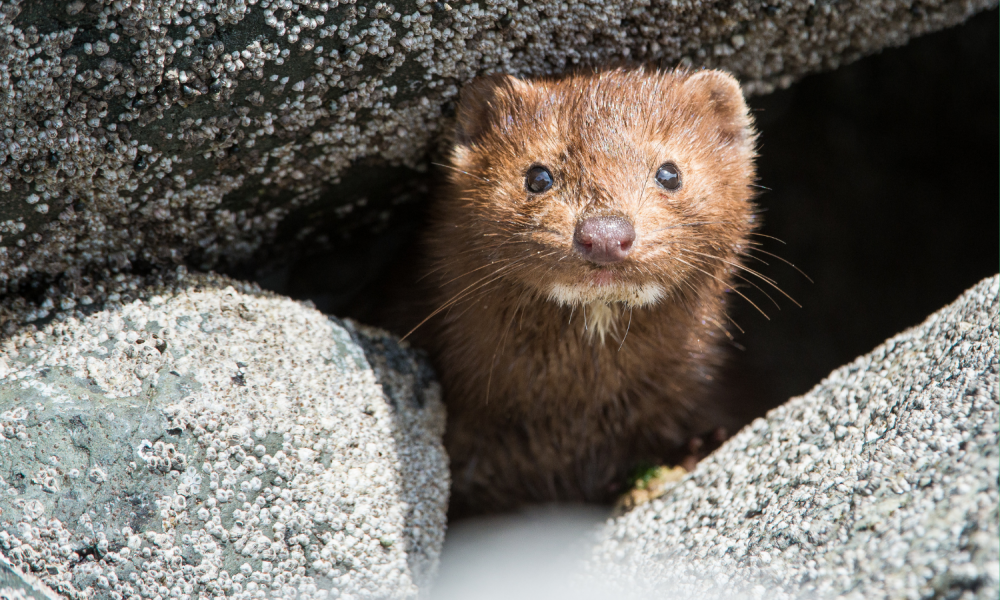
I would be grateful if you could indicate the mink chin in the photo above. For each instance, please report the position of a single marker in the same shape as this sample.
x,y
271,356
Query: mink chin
x,y
579,260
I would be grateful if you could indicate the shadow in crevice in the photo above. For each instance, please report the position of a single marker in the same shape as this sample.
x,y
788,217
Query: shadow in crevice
x,y
411,388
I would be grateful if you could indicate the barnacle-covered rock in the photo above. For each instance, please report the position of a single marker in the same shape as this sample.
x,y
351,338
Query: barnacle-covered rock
x,y
204,439
881,482
139,132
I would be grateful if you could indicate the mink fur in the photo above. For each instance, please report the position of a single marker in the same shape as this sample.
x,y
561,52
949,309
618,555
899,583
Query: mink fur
x,y
561,375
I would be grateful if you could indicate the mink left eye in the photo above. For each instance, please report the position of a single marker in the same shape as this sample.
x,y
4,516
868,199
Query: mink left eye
x,y
668,176
538,179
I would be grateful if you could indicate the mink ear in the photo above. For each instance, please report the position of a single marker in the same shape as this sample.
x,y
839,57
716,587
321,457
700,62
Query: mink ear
x,y
481,101
721,97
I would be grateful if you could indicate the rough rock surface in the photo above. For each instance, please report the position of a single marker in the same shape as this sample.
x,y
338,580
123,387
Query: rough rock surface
x,y
15,585
207,439
881,482
155,131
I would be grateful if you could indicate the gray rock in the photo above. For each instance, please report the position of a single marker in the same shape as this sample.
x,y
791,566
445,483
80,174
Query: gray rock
x,y
159,131
207,439
15,585
881,482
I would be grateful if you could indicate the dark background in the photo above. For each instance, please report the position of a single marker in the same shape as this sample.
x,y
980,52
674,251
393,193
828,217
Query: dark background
x,y
883,186
883,180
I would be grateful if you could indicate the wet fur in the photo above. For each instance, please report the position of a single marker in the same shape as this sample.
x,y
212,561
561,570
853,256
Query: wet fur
x,y
560,376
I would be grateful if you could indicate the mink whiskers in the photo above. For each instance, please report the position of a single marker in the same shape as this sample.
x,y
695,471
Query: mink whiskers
x,y
694,224
472,287
723,282
461,171
789,263
627,327
746,269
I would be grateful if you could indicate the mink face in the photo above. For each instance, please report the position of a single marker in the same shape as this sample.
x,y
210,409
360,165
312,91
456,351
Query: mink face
x,y
580,259
608,188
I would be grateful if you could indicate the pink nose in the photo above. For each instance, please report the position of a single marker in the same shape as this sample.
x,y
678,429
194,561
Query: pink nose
x,y
604,240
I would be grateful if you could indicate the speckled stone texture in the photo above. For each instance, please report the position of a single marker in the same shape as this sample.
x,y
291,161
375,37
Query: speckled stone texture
x,y
136,132
204,439
15,585
881,482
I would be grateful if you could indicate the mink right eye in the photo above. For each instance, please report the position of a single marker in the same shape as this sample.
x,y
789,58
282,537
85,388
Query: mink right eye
x,y
669,176
538,180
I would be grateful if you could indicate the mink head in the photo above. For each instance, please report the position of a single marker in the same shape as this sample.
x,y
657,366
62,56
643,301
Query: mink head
x,y
622,186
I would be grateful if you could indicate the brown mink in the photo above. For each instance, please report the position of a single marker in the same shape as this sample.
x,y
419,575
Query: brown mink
x,y
580,259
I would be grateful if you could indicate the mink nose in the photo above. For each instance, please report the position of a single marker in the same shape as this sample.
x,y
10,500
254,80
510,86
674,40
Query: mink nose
x,y
604,240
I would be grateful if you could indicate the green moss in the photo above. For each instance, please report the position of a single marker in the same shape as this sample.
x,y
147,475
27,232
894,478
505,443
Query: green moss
x,y
642,474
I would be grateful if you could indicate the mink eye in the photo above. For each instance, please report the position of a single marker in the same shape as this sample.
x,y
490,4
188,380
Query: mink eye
x,y
668,176
538,180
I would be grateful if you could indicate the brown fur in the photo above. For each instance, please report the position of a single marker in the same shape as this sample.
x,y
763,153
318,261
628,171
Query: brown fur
x,y
541,406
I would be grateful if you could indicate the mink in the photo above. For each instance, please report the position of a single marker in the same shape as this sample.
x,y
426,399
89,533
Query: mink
x,y
580,258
